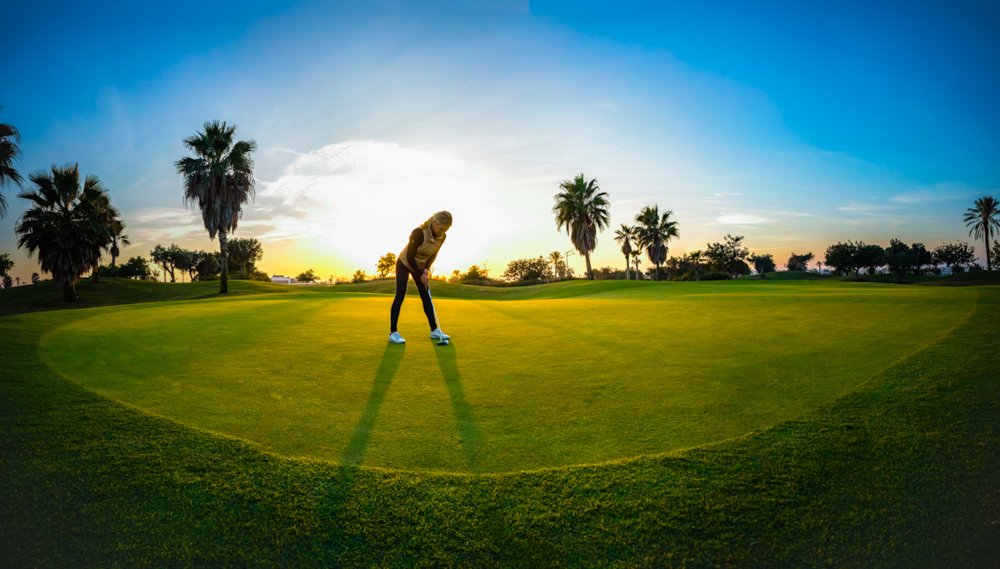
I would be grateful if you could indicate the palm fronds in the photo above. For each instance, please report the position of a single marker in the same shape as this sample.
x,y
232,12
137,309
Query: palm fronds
x,y
9,152
982,219
653,232
583,209
219,179
66,225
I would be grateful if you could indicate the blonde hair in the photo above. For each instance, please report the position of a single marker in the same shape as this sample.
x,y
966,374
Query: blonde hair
x,y
443,218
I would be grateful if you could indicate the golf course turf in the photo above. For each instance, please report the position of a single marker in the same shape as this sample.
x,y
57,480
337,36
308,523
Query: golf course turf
x,y
667,424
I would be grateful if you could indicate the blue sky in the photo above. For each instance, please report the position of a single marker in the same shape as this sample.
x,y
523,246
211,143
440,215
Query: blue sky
x,y
794,124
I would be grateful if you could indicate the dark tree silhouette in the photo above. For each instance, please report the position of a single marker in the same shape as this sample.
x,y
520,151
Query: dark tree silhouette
x,y
582,208
63,225
762,263
9,152
220,180
983,223
654,232
624,236
899,257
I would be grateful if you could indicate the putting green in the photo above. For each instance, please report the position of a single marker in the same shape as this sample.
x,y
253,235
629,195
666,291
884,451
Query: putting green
x,y
525,384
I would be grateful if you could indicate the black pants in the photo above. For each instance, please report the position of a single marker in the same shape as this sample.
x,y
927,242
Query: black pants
x,y
402,280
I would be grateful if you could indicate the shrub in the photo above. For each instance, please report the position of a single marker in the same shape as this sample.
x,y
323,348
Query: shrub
x,y
527,270
715,276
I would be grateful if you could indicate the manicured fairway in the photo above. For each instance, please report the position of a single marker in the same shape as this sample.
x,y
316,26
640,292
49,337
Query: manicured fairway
x,y
535,378
903,470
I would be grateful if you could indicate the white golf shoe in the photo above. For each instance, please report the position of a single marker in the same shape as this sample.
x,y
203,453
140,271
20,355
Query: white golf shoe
x,y
395,338
439,335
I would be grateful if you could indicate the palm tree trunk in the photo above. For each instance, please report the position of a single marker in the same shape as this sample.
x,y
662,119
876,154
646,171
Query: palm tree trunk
x,y
986,236
95,273
626,267
113,265
69,293
590,273
224,274
656,244
697,277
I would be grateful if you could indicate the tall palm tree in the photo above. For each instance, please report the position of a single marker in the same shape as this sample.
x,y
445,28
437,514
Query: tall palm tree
x,y
116,229
654,232
105,215
697,257
62,226
582,208
637,258
220,180
555,258
9,151
983,220
624,236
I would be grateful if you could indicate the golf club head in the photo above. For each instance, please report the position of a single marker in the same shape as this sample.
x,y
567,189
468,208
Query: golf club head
x,y
443,343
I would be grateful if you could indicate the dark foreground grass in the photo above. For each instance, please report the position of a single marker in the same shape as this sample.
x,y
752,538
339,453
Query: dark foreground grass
x,y
902,472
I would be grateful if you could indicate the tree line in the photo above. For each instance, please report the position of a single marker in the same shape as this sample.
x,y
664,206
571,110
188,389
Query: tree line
x,y
242,257
584,211
71,222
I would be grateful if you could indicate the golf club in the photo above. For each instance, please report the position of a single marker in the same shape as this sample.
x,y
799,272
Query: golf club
x,y
445,341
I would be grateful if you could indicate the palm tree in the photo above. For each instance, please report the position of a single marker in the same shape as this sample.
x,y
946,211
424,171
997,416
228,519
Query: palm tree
x,y
116,229
624,236
9,151
637,257
983,220
105,215
583,208
697,257
62,226
654,232
220,180
555,258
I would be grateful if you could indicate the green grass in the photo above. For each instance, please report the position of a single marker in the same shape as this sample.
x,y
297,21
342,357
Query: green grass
x,y
977,278
625,371
899,470
46,296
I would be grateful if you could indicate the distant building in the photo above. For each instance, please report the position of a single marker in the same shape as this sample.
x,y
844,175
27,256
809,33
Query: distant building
x,y
282,279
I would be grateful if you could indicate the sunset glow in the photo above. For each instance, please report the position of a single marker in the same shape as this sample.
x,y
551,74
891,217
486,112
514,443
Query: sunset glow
x,y
797,130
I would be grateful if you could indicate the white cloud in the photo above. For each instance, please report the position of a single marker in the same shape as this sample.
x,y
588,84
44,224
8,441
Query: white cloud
x,y
157,224
361,198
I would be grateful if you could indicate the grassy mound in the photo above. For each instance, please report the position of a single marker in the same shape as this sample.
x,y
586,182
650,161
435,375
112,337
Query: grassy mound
x,y
900,472
46,296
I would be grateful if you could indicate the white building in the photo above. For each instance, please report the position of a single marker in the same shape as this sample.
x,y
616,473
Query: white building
x,y
282,279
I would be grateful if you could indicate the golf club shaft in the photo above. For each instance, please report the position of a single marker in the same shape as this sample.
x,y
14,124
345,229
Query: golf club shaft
x,y
433,308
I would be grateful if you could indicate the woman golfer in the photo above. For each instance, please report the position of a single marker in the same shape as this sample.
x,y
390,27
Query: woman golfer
x,y
415,261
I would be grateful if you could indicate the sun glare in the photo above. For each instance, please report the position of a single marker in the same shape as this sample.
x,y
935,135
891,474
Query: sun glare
x,y
357,200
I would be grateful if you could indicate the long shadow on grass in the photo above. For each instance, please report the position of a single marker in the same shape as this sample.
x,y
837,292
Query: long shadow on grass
x,y
469,433
387,369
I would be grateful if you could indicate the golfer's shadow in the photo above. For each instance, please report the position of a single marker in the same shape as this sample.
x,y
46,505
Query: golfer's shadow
x,y
387,369
470,435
